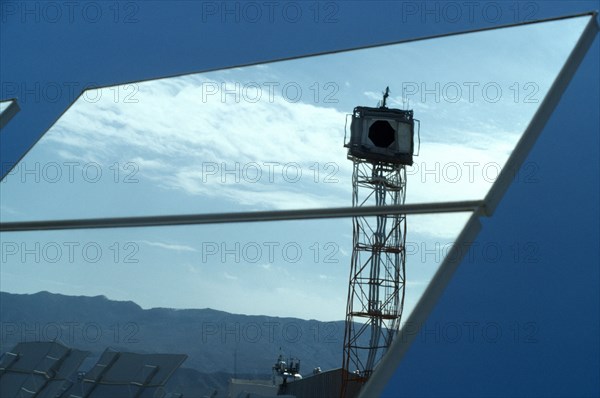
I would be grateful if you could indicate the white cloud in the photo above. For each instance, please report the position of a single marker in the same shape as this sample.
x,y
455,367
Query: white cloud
x,y
170,246
271,154
266,154
230,277
192,269
4,210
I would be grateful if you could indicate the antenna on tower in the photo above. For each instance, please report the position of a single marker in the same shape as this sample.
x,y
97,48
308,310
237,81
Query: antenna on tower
x,y
386,94
405,103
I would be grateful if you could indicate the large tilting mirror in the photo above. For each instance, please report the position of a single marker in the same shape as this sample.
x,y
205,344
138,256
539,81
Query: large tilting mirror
x,y
261,137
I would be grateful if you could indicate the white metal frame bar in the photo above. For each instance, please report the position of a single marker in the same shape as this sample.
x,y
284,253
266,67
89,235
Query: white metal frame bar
x,y
252,216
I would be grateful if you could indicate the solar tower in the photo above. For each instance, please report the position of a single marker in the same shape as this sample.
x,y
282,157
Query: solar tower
x,y
381,146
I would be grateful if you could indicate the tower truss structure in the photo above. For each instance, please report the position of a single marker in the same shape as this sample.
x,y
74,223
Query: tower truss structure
x,y
381,146
377,271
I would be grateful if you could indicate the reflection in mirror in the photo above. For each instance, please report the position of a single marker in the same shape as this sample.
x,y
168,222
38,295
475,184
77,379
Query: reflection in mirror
x,y
4,105
290,279
260,137
278,268
270,136
8,109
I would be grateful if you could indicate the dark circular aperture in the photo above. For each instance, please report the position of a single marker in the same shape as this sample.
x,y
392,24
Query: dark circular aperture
x,y
382,134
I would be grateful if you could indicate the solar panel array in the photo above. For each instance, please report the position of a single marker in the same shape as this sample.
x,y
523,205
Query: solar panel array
x,y
49,370
125,374
38,369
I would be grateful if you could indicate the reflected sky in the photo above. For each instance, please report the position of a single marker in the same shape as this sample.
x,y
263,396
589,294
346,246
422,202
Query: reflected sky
x,y
268,137
4,105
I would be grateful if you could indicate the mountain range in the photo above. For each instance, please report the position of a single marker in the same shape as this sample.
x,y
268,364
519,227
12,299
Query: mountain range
x,y
215,341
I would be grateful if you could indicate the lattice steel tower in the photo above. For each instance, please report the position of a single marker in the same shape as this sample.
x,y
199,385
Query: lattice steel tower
x,y
381,146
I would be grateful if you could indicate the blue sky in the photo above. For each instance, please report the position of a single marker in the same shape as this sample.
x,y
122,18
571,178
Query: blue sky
x,y
179,146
